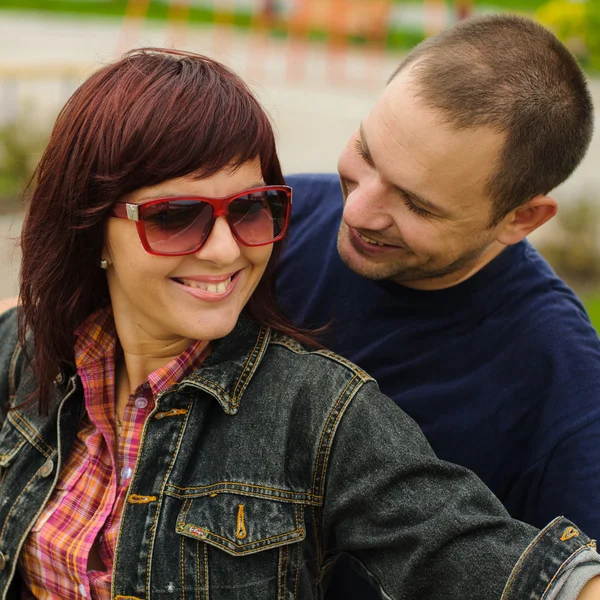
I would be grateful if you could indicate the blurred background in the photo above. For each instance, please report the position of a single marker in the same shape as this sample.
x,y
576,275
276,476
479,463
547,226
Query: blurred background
x,y
317,66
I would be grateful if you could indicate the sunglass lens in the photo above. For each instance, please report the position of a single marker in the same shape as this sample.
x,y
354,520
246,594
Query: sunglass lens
x,y
177,226
259,217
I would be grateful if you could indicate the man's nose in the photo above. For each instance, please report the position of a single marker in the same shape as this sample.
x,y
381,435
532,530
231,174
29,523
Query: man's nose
x,y
367,207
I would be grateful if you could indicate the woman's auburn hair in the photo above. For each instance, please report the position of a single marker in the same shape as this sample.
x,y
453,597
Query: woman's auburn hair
x,y
152,116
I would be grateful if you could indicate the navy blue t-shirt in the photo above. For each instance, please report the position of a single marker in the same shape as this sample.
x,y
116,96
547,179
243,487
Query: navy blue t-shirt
x,y
502,372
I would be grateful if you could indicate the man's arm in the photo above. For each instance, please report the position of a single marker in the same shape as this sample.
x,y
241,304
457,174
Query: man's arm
x,y
418,527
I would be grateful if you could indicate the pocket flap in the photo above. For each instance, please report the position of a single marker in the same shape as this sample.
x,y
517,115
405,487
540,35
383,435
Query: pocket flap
x,y
241,524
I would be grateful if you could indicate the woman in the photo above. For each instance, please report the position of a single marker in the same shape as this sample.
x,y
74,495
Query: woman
x,y
168,433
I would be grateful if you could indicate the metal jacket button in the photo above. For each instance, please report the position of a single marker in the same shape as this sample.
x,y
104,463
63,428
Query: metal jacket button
x,y
3,561
47,468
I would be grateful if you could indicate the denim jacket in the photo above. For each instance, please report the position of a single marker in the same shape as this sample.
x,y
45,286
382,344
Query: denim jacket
x,y
258,470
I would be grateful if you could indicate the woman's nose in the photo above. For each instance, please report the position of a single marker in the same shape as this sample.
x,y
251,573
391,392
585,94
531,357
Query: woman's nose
x,y
221,247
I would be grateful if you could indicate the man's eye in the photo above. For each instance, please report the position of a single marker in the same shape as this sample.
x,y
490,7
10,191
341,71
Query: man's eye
x,y
414,208
361,151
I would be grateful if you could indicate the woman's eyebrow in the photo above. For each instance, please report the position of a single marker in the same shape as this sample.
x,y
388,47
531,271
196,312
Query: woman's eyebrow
x,y
168,194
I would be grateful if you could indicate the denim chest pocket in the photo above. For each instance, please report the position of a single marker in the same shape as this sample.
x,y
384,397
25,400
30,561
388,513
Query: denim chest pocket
x,y
242,547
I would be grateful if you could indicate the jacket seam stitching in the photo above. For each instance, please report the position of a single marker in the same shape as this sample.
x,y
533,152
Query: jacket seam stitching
x,y
198,574
212,534
14,451
213,487
561,569
325,433
6,522
333,431
297,349
524,556
182,568
251,364
297,578
27,432
303,502
206,585
159,503
12,385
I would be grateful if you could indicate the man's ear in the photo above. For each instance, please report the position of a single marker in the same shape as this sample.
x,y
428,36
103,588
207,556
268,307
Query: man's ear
x,y
523,220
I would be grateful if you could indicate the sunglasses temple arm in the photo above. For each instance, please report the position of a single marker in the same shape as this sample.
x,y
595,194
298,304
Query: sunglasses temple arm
x,y
119,209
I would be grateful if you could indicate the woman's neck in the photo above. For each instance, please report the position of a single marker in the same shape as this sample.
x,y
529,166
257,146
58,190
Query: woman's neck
x,y
145,351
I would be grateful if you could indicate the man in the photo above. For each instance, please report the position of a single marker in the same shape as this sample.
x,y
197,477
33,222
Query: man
x,y
420,265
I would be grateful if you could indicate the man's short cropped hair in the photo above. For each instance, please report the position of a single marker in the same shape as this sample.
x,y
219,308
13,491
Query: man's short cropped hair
x,y
513,75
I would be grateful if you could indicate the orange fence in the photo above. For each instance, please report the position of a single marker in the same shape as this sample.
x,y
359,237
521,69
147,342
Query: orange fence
x,y
275,43
340,22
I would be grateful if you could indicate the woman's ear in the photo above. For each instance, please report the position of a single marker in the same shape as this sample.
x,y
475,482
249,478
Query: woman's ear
x,y
520,222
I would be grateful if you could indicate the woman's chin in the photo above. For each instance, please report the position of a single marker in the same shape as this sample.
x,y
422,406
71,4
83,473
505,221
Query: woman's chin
x,y
211,329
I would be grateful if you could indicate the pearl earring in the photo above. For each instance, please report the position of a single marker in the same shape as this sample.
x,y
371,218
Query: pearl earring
x,y
104,263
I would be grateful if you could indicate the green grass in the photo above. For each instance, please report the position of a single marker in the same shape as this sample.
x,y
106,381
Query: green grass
x,y
592,305
159,10
397,39
115,8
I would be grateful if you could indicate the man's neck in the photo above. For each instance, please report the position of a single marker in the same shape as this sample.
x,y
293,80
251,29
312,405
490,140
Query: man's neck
x,y
456,277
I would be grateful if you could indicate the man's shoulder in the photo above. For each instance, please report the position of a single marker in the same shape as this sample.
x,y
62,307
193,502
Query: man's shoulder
x,y
316,213
315,182
545,325
324,364
544,298
314,192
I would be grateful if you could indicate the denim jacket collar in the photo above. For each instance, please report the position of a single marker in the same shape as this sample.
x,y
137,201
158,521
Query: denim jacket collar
x,y
225,374
231,364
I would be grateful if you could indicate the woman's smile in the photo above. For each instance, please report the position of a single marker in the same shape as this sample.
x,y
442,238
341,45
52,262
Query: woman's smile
x,y
212,288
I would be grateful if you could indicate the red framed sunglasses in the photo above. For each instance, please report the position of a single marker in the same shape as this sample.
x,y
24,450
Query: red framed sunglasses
x,y
181,225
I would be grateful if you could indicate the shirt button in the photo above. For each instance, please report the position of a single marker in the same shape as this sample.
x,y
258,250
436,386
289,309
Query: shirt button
x,y
126,472
3,561
47,468
82,590
141,402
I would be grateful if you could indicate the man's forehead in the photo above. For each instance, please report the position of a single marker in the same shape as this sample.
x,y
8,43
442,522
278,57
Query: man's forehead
x,y
413,146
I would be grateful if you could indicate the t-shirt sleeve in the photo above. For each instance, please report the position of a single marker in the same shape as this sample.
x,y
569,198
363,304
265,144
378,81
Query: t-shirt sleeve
x,y
561,474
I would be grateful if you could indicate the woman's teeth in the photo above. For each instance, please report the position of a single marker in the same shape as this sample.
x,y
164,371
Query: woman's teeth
x,y
214,288
369,241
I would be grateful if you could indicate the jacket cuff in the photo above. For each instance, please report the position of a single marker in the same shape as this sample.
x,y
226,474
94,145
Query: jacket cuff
x,y
548,557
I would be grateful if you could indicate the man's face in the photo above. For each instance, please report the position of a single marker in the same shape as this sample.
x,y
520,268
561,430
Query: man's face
x,y
416,210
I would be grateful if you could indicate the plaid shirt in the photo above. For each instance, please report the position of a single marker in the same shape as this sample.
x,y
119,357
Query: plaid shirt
x,y
84,511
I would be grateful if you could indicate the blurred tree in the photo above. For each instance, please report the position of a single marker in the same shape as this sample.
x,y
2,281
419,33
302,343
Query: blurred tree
x,y
21,146
577,24
573,248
